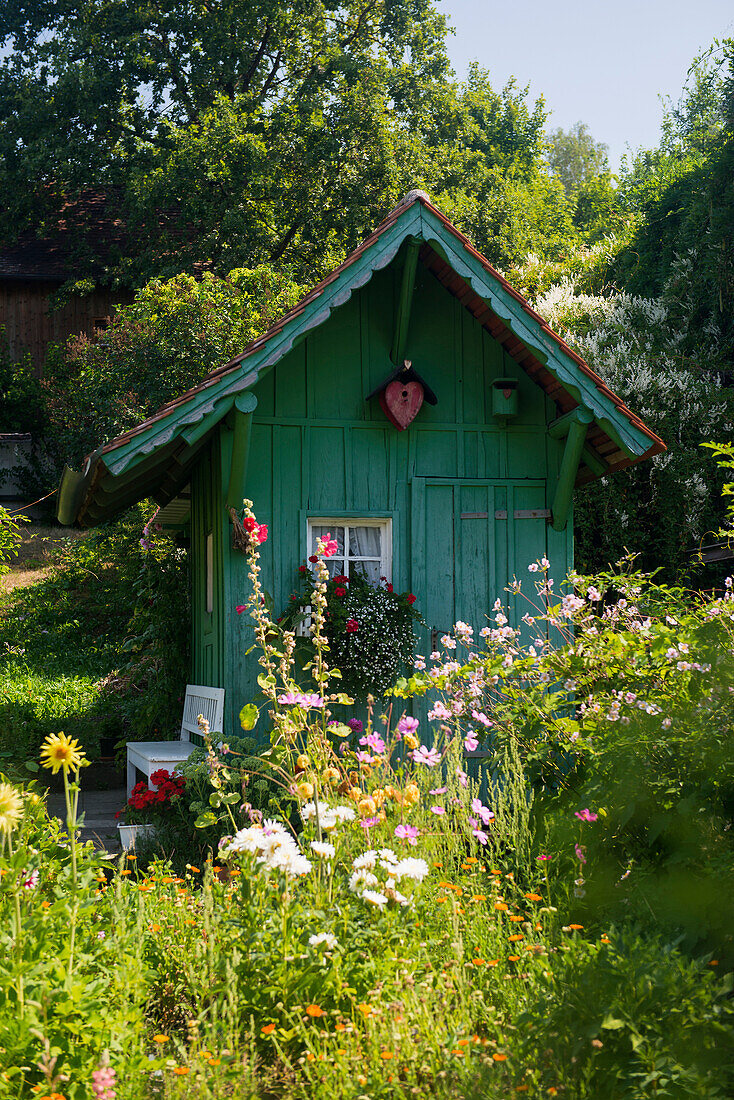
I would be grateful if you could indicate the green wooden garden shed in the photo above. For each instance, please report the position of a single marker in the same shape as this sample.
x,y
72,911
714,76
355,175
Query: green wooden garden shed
x,y
414,405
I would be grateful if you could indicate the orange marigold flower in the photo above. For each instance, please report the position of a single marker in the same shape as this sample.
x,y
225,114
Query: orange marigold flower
x,y
160,1038
714,962
492,962
576,927
441,898
268,1029
126,871
386,1055
517,918
181,1070
314,1011
365,1009
479,897
479,962
513,958
499,1057
516,937
553,1091
501,906
533,897
215,1061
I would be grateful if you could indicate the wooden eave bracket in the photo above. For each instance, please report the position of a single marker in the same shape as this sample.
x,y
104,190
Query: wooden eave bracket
x,y
574,426
405,303
244,406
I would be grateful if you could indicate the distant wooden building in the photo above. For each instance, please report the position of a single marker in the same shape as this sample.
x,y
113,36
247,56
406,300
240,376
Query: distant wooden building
x,y
414,405
33,269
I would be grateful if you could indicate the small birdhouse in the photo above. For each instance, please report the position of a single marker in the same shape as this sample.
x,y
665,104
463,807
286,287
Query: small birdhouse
x,y
402,394
504,398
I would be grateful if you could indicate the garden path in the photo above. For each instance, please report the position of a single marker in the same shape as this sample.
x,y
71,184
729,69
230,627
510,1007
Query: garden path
x,y
99,809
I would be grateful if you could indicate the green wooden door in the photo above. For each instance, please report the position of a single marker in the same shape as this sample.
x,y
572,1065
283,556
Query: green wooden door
x,y
207,574
468,540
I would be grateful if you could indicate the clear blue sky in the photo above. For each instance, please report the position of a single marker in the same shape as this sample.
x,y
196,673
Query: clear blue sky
x,y
605,63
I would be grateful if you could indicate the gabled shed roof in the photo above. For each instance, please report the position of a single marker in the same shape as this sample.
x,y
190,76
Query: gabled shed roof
x,y
156,456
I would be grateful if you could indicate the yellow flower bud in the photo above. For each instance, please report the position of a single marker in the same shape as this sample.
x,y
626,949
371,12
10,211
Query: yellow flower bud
x,y
410,741
305,790
302,762
378,796
331,775
355,794
366,807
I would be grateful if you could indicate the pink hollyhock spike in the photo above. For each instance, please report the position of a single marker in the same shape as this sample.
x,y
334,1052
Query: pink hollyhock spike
x,y
261,534
330,545
240,608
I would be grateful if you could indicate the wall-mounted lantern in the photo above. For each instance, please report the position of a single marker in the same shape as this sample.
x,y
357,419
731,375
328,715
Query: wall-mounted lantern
x,y
504,398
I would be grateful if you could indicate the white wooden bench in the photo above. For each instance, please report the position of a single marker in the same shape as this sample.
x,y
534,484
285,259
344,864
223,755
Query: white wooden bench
x,y
149,756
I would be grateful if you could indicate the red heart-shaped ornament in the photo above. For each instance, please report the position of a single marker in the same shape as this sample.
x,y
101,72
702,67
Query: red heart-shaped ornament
x,y
401,401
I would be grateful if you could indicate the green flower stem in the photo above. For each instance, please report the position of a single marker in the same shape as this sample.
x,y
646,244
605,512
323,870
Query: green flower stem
x,y
17,934
71,796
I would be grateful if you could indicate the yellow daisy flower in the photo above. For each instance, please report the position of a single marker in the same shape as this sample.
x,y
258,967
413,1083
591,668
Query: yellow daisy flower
x,y
11,808
64,752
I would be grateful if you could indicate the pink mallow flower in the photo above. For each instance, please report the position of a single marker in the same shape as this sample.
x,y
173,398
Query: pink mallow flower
x,y
586,815
429,757
407,832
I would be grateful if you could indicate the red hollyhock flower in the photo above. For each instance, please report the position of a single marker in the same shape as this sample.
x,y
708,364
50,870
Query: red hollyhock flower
x,y
249,524
411,598
340,591
261,533
313,558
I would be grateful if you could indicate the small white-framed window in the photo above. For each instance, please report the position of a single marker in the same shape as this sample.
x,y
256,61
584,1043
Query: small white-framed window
x,y
364,546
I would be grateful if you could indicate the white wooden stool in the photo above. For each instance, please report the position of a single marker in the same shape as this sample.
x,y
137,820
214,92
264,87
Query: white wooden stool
x,y
149,756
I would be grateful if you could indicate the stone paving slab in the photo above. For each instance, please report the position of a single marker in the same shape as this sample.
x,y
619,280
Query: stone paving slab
x,y
99,809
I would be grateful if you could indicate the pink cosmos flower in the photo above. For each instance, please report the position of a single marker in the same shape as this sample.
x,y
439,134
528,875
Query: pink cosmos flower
x,y
480,836
542,859
31,882
407,832
470,742
463,777
368,822
424,755
480,716
373,741
586,815
407,724
439,711
438,790
482,811
240,608
439,811
580,853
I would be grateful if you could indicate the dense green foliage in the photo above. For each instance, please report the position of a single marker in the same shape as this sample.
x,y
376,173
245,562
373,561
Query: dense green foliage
x,y
99,647
167,340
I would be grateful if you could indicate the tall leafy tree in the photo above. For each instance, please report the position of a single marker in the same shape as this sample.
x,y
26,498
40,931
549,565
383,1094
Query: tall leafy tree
x,y
232,131
575,157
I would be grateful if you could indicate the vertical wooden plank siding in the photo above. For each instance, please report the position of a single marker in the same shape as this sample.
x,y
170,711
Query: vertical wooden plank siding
x,y
318,447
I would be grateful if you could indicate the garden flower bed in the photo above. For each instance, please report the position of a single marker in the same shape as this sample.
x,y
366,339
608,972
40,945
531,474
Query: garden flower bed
x,y
384,924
